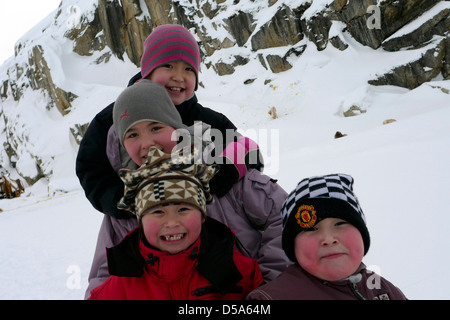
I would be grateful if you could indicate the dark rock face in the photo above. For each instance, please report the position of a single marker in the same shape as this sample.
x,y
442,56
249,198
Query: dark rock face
x,y
124,26
120,27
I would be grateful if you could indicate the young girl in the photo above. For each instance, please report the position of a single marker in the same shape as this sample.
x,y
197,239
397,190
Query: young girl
x,y
177,252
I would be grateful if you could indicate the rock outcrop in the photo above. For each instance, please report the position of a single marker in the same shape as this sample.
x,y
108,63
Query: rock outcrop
x,y
119,27
124,25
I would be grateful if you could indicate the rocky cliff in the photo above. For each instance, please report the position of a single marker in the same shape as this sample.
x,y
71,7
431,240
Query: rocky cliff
x,y
272,33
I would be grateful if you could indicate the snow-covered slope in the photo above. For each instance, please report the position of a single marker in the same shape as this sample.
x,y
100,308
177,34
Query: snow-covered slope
x,y
401,169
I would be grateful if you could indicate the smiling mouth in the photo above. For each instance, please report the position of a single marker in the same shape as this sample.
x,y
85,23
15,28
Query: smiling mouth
x,y
175,89
173,237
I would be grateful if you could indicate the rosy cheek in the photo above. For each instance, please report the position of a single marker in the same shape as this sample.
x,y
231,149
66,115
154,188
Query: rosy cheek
x,y
193,221
170,142
306,249
131,150
194,224
352,239
151,230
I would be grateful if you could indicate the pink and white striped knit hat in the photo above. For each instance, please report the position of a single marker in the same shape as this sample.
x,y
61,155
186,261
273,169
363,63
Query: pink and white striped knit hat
x,y
167,43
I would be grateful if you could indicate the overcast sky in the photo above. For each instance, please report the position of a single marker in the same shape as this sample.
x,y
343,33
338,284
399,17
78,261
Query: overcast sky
x,y
19,16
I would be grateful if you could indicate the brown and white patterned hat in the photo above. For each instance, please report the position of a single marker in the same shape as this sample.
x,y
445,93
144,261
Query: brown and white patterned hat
x,y
166,179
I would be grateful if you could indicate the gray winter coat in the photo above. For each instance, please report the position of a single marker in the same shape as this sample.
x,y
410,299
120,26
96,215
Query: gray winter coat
x,y
297,284
251,209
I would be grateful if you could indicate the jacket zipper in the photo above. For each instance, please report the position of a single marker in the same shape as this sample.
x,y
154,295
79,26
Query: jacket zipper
x,y
353,288
356,291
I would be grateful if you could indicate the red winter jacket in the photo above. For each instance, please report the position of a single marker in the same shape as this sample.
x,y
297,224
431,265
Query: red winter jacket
x,y
211,269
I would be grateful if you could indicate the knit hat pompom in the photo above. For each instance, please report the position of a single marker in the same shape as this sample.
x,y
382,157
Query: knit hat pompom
x,y
167,43
144,100
317,198
166,179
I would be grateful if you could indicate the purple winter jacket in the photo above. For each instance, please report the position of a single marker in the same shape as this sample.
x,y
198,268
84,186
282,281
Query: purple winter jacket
x,y
251,209
297,284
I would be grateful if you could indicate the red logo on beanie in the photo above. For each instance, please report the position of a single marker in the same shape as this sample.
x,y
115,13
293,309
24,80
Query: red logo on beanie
x,y
124,115
306,216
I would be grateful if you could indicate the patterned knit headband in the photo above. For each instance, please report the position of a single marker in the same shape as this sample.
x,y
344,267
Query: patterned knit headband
x,y
167,179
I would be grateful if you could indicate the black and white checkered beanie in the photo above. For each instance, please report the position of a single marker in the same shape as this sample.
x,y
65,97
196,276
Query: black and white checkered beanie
x,y
317,198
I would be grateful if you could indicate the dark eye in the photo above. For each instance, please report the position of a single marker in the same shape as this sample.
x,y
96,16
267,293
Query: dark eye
x,y
155,212
184,209
156,128
131,135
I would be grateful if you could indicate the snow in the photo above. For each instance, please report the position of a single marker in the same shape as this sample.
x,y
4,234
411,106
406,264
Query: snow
x,y
47,245
400,169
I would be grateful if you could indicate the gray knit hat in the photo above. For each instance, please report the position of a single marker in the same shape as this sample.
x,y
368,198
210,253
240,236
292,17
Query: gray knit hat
x,y
317,198
144,100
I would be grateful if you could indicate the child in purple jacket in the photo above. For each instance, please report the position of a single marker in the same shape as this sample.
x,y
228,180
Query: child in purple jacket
x,y
171,58
251,208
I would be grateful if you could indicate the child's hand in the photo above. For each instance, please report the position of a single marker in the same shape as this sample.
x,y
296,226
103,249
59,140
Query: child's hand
x,y
224,179
234,162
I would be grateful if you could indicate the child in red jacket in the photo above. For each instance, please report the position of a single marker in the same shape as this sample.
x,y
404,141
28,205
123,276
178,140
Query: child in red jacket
x,y
177,252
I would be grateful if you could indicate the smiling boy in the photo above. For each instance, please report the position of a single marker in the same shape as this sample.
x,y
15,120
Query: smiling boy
x,y
325,235
331,250
177,252
172,228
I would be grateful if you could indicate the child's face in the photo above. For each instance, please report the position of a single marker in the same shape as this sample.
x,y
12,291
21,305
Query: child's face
x,y
332,250
145,134
172,228
178,77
